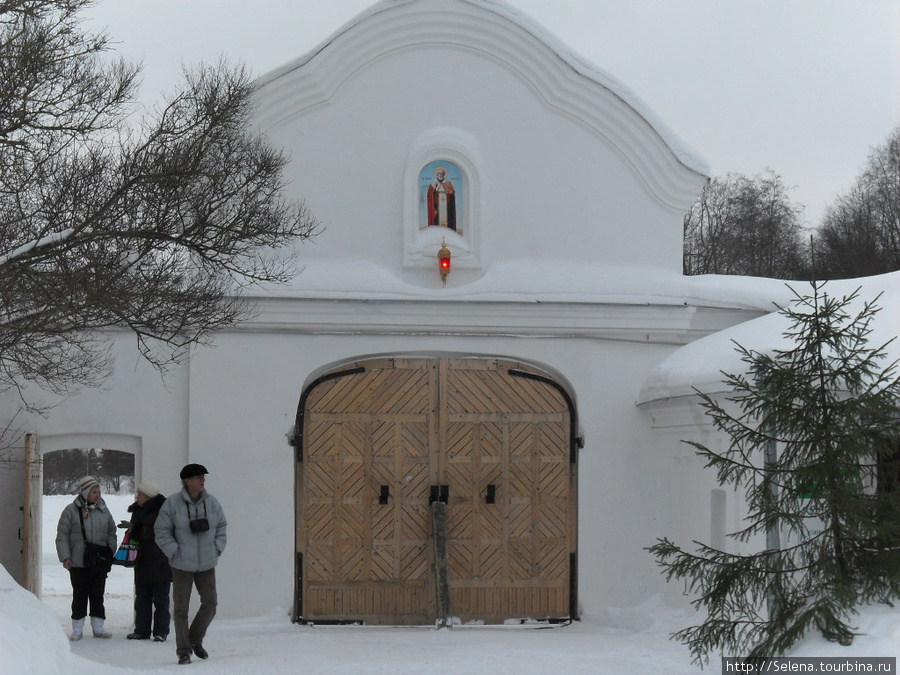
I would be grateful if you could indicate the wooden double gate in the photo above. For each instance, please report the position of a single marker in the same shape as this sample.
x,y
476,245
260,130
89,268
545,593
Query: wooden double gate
x,y
380,440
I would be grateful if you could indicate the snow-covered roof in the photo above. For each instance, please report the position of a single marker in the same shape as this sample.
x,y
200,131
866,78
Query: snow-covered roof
x,y
701,363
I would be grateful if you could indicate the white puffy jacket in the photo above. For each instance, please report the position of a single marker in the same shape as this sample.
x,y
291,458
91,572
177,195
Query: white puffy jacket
x,y
186,550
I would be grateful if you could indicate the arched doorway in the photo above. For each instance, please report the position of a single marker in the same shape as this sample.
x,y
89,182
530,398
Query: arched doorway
x,y
53,463
378,441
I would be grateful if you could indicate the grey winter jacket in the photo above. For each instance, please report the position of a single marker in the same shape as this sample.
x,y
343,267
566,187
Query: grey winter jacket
x,y
99,528
191,551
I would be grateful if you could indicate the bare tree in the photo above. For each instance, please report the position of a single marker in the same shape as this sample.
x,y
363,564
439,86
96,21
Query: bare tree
x,y
860,234
706,228
745,226
154,224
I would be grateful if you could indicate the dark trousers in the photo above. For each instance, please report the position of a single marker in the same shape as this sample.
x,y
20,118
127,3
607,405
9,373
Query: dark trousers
x,y
182,585
88,586
147,598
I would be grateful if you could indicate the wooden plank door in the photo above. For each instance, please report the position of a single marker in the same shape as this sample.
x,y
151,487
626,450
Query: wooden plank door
x,y
390,430
365,560
511,512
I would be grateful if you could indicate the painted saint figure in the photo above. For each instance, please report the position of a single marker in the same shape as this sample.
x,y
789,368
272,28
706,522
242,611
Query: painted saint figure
x,y
441,200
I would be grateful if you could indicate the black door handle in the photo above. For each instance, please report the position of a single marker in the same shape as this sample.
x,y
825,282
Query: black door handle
x,y
491,496
384,495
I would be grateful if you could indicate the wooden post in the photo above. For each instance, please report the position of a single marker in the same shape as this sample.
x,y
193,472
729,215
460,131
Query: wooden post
x,y
442,580
31,513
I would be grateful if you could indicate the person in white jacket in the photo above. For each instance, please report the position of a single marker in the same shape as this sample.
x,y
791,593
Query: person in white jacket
x,y
191,531
86,519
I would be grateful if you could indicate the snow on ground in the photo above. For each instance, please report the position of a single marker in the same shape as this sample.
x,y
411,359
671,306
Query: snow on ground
x,y
33,638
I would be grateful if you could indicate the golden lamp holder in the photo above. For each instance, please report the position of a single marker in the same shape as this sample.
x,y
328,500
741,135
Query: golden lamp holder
x,y
444,262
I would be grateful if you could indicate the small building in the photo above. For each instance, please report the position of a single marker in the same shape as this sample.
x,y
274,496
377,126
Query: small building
x,y
504,411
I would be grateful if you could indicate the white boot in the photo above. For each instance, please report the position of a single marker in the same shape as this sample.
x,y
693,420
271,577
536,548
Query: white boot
x,y
97,627
77,630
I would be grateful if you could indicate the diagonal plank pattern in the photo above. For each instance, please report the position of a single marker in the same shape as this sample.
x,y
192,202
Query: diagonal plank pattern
x,y
509,559
402,426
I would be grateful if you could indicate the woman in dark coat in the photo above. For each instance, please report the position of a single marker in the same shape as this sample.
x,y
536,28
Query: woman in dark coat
x,y
152,574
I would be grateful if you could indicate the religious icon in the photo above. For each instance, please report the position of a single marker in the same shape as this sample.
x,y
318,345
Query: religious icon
x,y
440,195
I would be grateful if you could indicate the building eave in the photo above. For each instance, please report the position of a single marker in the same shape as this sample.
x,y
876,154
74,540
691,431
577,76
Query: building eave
x,y
638,323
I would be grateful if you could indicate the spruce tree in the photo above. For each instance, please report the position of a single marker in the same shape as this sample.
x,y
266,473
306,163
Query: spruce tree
x,y
826,409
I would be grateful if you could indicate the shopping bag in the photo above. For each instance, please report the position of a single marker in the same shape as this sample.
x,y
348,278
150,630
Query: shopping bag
x,y
127,553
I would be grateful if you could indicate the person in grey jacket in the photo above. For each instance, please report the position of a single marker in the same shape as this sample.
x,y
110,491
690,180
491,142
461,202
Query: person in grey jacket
x,y
88,583
191,530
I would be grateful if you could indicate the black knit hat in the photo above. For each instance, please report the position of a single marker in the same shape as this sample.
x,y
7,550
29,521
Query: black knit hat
x,y
193,470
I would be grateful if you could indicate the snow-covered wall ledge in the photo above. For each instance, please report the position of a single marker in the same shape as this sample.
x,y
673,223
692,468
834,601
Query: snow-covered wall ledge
x,y
524,298
532,280
650,324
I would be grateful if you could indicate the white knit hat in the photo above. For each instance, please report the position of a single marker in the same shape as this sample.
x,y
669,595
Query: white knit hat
x,y
86,484
148,488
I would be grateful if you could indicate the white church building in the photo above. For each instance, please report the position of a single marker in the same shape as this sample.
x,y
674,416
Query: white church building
x,y
394,445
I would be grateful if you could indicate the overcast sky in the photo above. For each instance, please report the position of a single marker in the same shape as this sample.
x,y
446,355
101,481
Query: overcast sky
x,y
804,87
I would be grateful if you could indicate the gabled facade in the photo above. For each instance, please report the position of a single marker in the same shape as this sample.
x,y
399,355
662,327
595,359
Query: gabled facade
x,y
394,447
